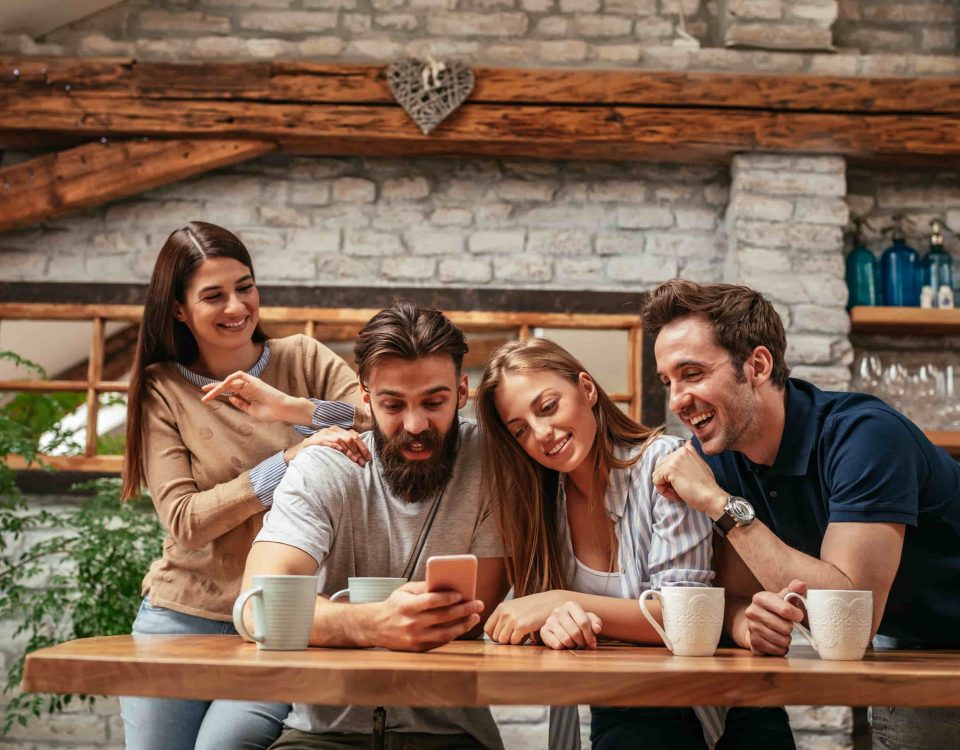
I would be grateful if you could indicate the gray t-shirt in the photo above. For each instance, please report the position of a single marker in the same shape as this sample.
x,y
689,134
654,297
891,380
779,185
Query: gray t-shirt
x,y
346,518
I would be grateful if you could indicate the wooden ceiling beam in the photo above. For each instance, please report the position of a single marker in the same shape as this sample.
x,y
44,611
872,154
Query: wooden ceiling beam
x,y
311,83
95,173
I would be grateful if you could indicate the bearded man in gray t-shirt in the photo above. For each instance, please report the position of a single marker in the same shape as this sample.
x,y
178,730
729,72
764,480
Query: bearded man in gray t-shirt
x,y
333,515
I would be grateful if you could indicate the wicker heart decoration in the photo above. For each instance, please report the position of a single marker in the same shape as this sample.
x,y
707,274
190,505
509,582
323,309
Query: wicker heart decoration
x,y
429,92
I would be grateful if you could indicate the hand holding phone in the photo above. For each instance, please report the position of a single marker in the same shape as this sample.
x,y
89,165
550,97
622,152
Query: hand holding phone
x,y
453,573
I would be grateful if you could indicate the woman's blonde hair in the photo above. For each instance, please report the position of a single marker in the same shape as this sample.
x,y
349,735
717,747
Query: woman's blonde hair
x,y
522,491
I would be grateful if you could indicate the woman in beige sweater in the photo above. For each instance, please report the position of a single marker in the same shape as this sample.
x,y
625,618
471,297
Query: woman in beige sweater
x,y
211,468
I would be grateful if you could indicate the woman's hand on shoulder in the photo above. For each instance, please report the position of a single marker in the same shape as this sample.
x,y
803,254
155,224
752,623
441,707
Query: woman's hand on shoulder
x,y
261,401
348,442
569,626
516,620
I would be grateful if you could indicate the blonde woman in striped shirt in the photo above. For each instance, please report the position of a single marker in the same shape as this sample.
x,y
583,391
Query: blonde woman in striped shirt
x,y
584,530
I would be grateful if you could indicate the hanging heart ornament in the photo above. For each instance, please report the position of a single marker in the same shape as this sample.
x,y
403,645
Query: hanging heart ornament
x,y
429,91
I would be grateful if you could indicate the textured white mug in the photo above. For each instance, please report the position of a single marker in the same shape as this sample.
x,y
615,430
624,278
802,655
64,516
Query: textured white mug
x,y
366,589
840,622
692,618
282,612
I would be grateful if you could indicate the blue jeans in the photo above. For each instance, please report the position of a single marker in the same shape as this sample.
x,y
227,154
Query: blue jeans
x,y
165,724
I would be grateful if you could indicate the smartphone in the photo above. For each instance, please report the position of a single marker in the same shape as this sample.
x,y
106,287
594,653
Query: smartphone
x,y
453,573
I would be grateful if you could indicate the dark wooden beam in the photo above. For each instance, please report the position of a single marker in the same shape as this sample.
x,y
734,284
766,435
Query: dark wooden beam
x,y
96,173
307,82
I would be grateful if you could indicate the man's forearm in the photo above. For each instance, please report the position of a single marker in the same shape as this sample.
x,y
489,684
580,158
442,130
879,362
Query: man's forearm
x,y
775,563
342,625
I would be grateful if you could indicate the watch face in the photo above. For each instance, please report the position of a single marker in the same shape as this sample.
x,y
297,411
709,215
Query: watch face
x,y
741,510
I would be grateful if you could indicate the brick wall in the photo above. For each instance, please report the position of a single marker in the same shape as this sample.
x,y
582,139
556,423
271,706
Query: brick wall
x,y
920,26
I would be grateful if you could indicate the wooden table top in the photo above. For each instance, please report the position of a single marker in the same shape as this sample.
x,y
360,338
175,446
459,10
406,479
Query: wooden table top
x,y
479,673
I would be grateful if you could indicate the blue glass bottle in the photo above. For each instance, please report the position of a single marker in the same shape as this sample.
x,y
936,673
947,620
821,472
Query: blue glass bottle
x,y
900,271
937,268
863,277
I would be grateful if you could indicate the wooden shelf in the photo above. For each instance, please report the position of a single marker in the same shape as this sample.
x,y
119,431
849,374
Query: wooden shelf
x,y
909,320
946,439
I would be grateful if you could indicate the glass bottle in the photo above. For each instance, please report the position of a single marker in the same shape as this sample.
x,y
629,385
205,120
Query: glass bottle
x,y
937,270
862,273
900,270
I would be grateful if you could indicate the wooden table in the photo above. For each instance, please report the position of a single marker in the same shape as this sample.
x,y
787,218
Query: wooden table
x,y
478,673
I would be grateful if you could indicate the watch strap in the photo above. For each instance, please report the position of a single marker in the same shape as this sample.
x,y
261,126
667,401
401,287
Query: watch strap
x,y
724,524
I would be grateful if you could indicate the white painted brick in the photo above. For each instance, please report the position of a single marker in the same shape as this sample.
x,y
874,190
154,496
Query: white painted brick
x,y
311,193
620,243
419,268
492,214
397,21
672,7
580,270
752,206
823,13
631,7
602,25
354,190
701,270
582,217
458,217
259,240
644,217
814,237
361,23
786,163
762,9
553,26
474,270
538,6
567,50
497,241
566,242
341,217
899,197
478,24
860,205
330,4
821,319
370,243
823,211
283,216
433,242
695,218
313,240
676,245
341,268
790,183
465,190
579,6
651,29
811,349
100,45
676,194
616,53
645,268
820,263
288,21
520,191
716,195
523,268
795,288
398,217
765,259
320,46
189,23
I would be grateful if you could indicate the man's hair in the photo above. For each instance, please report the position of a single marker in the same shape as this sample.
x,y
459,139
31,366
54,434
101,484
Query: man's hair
x,y
410,332
741,318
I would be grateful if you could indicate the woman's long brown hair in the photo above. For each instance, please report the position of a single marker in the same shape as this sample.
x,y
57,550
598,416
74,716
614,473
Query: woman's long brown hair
x,y
522,491
163,338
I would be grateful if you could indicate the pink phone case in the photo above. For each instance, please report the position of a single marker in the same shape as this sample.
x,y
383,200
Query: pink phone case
x,y
453,573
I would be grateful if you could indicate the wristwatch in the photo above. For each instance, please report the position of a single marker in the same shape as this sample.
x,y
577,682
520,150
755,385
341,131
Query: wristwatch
x,y
737,512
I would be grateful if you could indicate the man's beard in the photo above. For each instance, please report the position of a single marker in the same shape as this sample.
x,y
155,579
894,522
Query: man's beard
x,y
416,481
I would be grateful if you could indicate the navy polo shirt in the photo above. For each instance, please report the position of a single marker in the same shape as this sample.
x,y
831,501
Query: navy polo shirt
x,y
850,457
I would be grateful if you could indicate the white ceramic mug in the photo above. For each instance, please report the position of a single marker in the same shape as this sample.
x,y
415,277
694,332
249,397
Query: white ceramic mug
x,y
366,589
840,622
692,618
282,611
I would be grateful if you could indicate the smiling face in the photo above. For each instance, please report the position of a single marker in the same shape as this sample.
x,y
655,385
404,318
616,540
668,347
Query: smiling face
x,y
716,402
550,417
221,305
414,406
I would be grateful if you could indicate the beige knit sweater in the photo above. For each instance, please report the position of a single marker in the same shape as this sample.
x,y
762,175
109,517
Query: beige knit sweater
x,y
197,462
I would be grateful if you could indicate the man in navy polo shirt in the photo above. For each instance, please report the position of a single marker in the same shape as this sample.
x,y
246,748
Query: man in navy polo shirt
x,y
810,488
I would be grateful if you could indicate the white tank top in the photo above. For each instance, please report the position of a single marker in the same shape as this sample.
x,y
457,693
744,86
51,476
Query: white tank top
x,y
589,581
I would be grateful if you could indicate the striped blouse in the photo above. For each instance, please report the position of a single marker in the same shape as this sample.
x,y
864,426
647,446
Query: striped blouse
x,y
660,542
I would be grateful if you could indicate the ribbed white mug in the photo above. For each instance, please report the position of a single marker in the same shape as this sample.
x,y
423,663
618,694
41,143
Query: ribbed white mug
x,y
282,611
366,589
840,622
692,618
